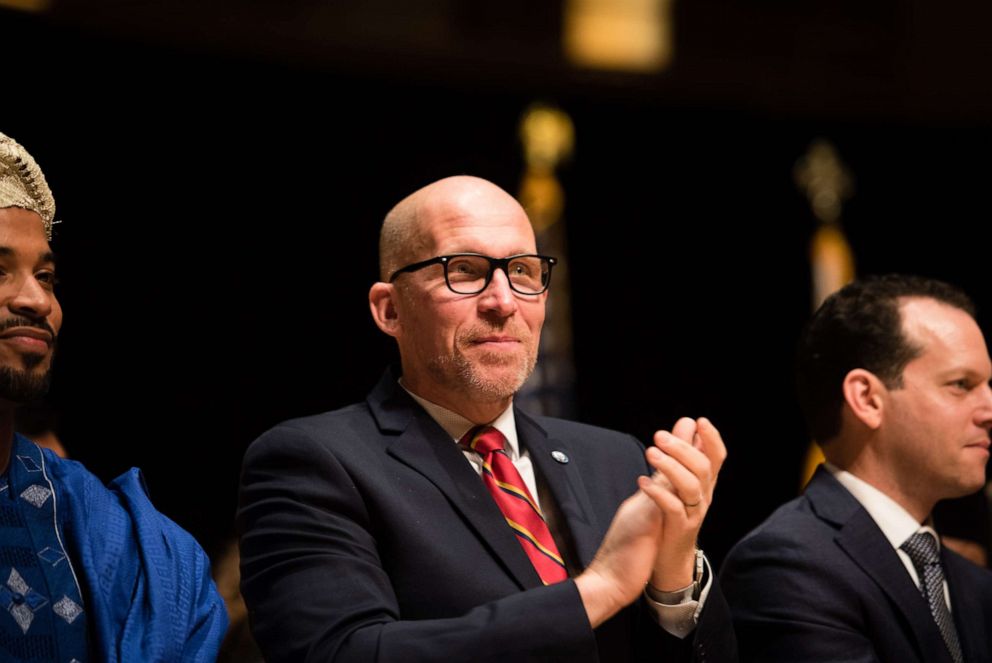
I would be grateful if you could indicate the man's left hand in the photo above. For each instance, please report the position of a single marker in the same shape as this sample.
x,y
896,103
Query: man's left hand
x,y
686,462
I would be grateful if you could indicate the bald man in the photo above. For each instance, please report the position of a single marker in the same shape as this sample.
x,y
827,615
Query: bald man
x,y
435,521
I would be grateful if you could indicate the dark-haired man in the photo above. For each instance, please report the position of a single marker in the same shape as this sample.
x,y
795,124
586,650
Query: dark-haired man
x,y
893,377
436,522
87,572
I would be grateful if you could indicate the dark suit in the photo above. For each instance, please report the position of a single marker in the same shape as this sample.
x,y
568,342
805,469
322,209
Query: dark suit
x,y
367,536
818,581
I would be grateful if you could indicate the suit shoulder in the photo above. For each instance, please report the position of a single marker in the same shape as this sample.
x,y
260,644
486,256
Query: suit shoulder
x,y
354,417
792,529
788,561
336,428
580,431
977,575
341,418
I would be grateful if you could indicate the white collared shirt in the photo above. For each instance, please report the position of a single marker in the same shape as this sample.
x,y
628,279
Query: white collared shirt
x,y
455,425
894,521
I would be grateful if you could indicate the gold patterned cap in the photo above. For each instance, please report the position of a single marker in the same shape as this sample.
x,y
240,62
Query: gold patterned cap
x,y
22,184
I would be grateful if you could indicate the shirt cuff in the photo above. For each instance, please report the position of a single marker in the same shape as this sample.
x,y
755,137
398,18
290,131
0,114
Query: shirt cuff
x,y
677,612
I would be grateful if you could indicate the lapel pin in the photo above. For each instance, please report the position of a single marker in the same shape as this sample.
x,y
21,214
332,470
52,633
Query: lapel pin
x,y
560,456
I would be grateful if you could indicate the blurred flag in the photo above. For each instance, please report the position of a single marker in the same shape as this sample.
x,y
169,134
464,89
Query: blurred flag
x,y
827,184
548,137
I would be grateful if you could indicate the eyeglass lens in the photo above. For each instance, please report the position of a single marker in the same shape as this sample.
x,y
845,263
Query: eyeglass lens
x,y
469,274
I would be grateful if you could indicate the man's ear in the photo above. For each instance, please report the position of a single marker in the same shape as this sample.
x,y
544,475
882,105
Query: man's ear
x,y
864,394
382,303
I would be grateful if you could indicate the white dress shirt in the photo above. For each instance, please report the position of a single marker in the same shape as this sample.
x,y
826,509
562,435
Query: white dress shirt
x,y
894,521
676,612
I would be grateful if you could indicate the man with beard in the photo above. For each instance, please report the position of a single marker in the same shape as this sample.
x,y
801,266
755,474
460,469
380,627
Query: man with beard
x,y
367,533
87,572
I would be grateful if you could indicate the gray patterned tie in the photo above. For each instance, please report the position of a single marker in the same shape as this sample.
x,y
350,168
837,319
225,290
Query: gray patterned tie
x,y
922,549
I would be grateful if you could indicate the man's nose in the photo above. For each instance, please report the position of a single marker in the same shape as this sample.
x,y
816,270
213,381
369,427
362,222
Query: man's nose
x,y
498,297
31,299
983,415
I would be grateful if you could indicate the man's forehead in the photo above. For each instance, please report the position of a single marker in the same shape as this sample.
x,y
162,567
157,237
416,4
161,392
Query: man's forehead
x,y
35,253
937,327
464,214
506,228
926,316
22,232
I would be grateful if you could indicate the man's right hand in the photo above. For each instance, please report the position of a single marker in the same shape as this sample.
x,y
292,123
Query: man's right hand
x,y
624,561
638,541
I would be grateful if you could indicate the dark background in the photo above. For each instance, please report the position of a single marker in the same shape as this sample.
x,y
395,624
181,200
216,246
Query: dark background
x,y
221,170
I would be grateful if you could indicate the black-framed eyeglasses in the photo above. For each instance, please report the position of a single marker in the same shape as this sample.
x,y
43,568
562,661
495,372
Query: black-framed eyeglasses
x,y
470,273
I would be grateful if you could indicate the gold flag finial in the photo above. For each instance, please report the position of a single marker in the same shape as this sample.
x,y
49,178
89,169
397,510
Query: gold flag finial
x,y
548,137
825,179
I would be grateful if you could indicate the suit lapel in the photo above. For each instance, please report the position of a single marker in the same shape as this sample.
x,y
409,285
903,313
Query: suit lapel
x,y
564,480
866,545
966,608
861,539
420,443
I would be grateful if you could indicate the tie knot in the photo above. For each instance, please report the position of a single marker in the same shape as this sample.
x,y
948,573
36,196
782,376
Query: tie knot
x,y
483,440
922,549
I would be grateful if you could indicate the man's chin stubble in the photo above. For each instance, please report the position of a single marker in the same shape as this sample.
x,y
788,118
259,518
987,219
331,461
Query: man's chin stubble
x,y
23,386
471,377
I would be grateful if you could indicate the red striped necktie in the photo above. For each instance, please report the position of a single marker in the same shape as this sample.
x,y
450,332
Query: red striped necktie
x,y
516,503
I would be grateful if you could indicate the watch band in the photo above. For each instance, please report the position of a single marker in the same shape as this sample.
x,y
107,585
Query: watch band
x,y
697,575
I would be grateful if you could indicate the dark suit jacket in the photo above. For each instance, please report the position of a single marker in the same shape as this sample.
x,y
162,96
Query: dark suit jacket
x,y
367,536
818,581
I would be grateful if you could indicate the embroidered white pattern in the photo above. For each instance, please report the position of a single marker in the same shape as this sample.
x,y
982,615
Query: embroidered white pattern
x,y
16,582
20,600
67,609
36,495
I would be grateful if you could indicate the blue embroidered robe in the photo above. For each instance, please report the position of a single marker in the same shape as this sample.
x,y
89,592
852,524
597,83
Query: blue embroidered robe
x,y
146,589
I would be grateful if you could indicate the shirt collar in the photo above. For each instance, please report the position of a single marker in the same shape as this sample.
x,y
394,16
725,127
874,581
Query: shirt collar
x,y
455,425
894,521
26,464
